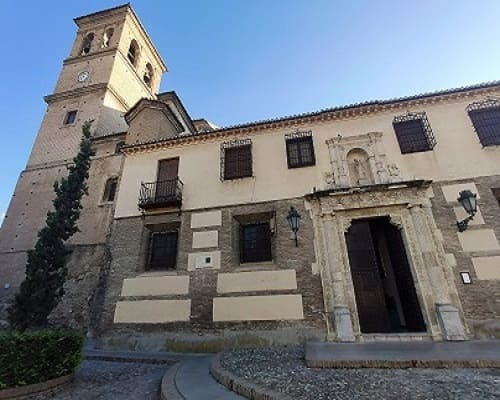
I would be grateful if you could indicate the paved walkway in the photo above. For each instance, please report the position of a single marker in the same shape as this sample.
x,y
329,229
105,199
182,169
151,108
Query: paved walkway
x,y
194,382
439,354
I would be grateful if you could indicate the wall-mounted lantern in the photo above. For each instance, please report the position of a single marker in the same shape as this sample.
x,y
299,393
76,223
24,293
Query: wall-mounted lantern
x,y
293,219
468,200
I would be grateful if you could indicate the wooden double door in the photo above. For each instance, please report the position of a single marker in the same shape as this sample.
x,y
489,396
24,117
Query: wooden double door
x,y
385,292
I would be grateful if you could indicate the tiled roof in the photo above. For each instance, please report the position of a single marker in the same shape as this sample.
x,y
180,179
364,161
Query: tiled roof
x,y
353,107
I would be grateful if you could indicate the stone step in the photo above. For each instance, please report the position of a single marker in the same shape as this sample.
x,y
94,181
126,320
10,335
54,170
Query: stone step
x,y
395,337
425,354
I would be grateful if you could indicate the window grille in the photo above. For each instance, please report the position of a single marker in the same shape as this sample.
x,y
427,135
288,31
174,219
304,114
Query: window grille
x,y
300,149
255,243
485,117
236,159
163,250
414,133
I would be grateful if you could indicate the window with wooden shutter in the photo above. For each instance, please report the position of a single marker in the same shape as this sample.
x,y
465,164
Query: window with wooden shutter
x,y
414,133
163,251
300,149
236,159
485,117
255,243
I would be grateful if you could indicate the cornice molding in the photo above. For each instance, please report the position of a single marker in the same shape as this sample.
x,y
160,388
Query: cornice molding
x,y
52,98
90,56
78,92
294,121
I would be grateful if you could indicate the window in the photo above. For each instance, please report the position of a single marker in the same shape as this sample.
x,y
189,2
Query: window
x,y
255,243
133,52
485,117
70,117
110,189
496,193
163,251
87,44
414,133
107,37
236,159
300,149
148,75
119,146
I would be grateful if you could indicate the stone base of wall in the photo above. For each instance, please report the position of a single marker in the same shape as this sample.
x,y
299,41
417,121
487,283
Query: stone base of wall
x,y
485,329
191,342
81,305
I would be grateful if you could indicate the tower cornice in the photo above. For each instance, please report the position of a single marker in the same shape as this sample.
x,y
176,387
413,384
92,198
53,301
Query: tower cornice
x,y
68,94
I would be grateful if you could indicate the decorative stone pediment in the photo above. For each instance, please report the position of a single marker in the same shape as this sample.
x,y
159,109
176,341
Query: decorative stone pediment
x,y
406,194
359,161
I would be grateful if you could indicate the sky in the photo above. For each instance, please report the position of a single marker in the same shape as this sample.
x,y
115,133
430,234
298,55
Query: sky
x,y
236,61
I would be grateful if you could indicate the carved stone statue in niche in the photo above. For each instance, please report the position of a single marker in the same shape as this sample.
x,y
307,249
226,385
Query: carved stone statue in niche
x,y
360,172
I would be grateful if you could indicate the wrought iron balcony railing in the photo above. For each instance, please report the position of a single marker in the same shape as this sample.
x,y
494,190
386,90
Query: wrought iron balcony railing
x,y
161,194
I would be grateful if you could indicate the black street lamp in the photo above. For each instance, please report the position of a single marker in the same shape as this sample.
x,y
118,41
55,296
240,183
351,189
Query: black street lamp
x,y
468,200
293,219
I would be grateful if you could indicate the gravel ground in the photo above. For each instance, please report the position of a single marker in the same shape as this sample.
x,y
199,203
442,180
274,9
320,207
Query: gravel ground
x,y
109,380
283,369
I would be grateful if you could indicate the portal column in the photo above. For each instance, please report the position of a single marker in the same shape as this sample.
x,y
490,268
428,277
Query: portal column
x,y
434,263
332,237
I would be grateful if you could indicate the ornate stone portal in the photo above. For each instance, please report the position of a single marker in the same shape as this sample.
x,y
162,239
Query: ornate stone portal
x,y
364,186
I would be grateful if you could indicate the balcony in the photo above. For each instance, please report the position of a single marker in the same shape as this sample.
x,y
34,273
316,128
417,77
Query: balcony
x,y
161,194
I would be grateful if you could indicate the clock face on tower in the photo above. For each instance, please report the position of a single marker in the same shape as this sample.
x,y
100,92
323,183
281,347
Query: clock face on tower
x,y
82,76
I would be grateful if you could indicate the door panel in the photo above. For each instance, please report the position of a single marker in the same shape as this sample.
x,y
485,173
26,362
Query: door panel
x,y
370,300
404,280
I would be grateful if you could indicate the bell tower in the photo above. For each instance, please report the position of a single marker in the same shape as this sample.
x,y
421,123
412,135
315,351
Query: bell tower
x,y
111,66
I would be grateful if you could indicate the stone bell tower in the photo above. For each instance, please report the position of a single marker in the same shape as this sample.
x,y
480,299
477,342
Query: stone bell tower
x,y
112,65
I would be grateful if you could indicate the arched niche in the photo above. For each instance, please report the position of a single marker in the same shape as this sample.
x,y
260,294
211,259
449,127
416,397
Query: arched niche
x,y
359,168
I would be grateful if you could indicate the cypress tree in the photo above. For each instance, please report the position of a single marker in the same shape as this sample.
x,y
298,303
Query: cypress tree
x,y
46,270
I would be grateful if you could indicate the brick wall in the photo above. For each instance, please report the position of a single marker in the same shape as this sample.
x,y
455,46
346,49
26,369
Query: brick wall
x,y
129,247
480,300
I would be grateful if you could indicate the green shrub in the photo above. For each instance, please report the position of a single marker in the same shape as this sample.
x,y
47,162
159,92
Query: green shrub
x,y
34,357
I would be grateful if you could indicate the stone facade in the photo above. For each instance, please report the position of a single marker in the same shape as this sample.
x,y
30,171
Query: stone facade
x,y
357,171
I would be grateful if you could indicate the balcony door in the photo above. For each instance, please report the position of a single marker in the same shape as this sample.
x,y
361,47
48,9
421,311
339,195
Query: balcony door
x,y
166,185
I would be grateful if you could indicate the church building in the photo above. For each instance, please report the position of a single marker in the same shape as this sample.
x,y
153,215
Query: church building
x,y
363,222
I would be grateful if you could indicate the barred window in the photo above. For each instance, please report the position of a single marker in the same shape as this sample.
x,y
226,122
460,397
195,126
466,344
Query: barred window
x,y
236,159
485,117
163,250
255,243
414,133
300,149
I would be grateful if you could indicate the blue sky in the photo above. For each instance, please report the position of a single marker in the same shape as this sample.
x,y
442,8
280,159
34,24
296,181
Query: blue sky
x,y
234,61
